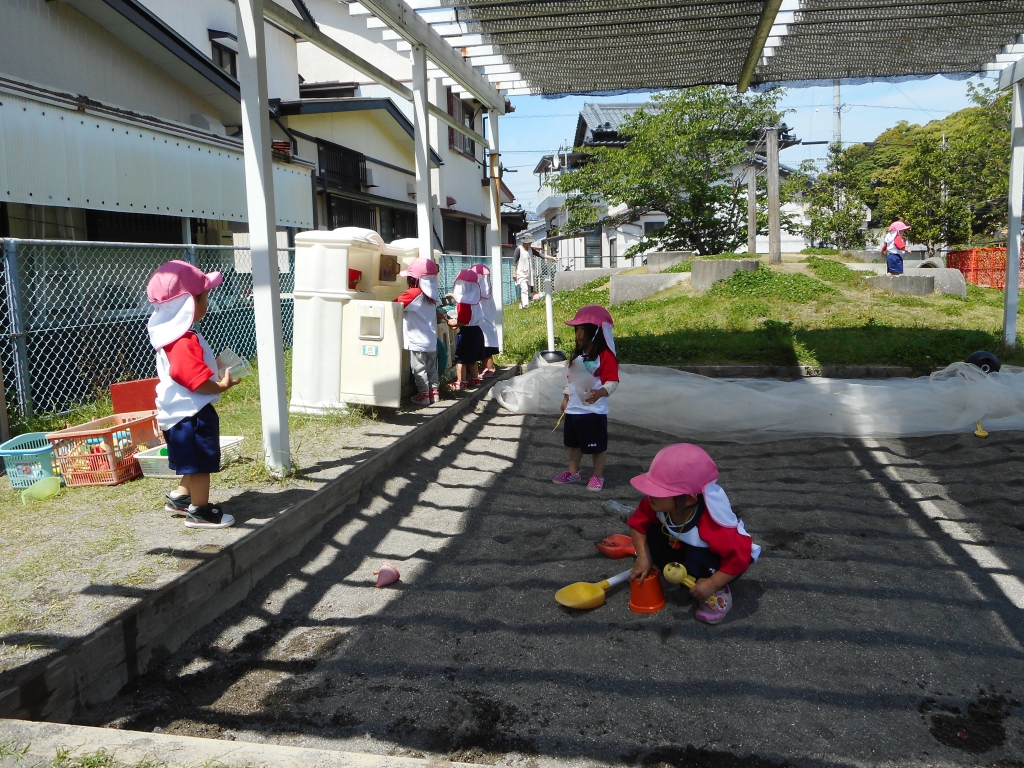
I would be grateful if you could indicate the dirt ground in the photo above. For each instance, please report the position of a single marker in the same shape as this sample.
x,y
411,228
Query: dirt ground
x,y
882,626
70,563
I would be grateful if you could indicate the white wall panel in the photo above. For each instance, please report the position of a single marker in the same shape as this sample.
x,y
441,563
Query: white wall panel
x,y
51,155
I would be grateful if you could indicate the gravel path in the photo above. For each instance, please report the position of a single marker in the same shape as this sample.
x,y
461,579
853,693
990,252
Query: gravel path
x,y
882,626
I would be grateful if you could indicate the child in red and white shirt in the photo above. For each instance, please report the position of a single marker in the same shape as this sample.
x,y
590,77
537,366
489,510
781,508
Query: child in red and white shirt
x,y
188,388
469,342
593,377
687,519
419,328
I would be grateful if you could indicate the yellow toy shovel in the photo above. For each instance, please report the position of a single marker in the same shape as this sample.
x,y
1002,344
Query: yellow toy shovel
x,y
582,594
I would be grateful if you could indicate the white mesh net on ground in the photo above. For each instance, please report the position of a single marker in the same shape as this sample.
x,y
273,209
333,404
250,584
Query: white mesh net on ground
x,y
760,410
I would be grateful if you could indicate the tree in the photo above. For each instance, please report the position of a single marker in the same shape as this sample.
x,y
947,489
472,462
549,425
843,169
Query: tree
x,y
681,149
836,211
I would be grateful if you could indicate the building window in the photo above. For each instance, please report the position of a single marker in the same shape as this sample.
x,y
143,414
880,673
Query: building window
x,y
454,235
653,226
462,112
396,224
613,252
225,58
341,167
592,248
342,212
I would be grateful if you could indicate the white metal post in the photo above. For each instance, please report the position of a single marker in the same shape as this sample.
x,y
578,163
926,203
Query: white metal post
x,y
752,207
774,217
259,193
497,282
1013,239
421,138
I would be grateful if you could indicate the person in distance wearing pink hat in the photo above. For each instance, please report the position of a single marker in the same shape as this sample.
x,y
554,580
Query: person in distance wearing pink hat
x,y
490,330
188,388
893,248
686,518
593,376
419,328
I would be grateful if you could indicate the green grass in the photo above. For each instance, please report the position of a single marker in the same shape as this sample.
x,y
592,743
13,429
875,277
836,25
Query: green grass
x,y
778,318
99,759
821,251
685,266
837,273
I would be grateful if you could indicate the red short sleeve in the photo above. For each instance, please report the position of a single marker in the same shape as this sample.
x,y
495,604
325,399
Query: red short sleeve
x,y
899,242
188,368
464,314
643,518
609,368
731,546
409,297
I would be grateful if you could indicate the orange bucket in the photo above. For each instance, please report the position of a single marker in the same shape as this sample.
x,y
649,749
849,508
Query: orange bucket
x,y
648,597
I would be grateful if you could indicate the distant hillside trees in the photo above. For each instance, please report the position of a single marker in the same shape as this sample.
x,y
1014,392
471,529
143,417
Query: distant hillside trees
x,y
948,179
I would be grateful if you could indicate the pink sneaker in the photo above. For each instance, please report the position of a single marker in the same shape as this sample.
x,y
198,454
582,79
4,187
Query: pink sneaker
x,y
435,395
457,386
488,373
595,484
717,607
567,477
421,398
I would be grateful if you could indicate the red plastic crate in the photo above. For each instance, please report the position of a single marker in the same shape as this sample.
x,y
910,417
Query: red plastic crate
x,y
134,396
984,266
102,452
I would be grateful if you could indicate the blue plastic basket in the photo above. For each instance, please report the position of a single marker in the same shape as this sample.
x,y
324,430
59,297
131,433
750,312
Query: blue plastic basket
x,y
28,458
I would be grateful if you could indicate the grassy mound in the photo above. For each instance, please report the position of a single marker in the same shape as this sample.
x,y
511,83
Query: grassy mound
x,y
768,284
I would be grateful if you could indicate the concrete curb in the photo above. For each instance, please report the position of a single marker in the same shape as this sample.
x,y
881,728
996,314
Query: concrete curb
x,y
798,371
42,740
96,667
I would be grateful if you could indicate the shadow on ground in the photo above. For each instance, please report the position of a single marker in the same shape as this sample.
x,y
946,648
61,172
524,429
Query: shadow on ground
x,y
866,634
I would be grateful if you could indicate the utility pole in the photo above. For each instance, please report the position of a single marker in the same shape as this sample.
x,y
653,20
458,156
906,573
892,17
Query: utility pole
x,y
837,116
774,214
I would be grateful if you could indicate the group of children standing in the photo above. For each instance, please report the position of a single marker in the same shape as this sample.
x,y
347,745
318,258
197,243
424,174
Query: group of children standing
x,y
476,342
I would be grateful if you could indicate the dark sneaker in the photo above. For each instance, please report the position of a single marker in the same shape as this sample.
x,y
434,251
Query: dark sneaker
x,y
208,516
177,503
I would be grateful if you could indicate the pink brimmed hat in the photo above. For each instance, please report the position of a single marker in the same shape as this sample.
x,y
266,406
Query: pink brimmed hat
x,y
593,314
898,226
677,470
178,278
481,269
420,267
467,275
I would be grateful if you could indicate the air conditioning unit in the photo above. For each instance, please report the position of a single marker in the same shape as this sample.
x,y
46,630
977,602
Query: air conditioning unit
x,y
410,187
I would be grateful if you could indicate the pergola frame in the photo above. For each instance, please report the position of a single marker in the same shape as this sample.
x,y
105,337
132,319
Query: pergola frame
x,y
590,46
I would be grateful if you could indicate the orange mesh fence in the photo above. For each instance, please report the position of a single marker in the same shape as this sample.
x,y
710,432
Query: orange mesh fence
x,y
983,266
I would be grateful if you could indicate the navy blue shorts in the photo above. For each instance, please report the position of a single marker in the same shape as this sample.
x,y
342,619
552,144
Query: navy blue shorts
x,y
700,562
469,344
489,352
586,431
193,444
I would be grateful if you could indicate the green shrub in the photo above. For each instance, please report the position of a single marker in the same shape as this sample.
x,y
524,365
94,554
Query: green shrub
x,y
768,284
820,251
682,266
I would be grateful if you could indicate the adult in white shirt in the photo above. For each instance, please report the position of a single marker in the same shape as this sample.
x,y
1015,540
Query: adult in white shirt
x,y
524,270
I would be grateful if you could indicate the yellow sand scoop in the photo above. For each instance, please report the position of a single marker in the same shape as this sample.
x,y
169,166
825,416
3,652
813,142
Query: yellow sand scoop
x,y
583,594
675,573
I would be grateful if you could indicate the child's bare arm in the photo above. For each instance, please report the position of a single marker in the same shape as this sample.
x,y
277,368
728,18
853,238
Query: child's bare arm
x,y
213,387
642,566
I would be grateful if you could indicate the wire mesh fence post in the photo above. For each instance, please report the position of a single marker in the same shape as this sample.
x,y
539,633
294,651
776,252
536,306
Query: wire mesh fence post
x,y
16,324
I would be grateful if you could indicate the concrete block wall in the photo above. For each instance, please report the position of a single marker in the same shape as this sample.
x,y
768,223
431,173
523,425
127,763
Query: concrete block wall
x,y
706,272
634,287
658,261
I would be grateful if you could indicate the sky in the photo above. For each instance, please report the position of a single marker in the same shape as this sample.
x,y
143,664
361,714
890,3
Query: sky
x,y
539,126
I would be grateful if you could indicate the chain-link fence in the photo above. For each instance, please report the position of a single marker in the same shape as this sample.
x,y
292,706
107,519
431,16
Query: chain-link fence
x,y
450,266
73,315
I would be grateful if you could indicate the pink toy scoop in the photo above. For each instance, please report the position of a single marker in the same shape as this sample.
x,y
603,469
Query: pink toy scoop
x,y
386,574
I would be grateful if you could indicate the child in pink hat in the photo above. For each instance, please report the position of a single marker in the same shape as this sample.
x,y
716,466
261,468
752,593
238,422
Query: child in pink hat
x,y
419,328
593,377
188,388
469,319
686,518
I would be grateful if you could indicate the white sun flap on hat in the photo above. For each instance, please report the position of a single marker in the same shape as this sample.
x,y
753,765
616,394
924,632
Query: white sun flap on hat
x,y
721,512
171,320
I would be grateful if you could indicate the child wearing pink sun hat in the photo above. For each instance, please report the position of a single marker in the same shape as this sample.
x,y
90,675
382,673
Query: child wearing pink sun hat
x,y
419,328
593,376
686,518
187,389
